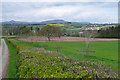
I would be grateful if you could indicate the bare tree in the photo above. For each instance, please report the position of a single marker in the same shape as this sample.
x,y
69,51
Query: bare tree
x,y
88,34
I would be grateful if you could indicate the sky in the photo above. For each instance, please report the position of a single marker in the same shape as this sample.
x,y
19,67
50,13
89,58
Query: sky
x,y
94,12
60,0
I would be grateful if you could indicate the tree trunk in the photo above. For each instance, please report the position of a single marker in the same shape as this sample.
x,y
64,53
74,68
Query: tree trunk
x,y
48,38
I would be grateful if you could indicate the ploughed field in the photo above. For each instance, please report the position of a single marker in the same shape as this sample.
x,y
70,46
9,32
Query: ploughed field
x,y
44,39
64,59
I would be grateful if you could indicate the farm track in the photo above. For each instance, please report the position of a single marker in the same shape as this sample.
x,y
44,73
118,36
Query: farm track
x,y
43,39
4,58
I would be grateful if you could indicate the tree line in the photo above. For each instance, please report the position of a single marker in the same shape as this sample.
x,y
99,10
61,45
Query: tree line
x,y
111,32
47,31
56,31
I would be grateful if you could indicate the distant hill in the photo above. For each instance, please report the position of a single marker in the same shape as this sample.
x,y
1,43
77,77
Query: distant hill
x,y
44,22
80,23
62,22
14,22
54,22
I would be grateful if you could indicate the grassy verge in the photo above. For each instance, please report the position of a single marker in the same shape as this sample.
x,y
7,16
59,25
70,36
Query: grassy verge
x,y
7,36
12,61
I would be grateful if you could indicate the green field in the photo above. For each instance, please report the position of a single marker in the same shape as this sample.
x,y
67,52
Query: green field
x,y
40,60
74,29
106,51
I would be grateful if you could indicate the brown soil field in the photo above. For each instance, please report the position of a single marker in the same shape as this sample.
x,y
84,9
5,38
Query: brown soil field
x,y
44,39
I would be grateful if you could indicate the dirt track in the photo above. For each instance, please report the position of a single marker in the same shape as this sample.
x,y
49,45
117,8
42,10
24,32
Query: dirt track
x,y
43,39
4,58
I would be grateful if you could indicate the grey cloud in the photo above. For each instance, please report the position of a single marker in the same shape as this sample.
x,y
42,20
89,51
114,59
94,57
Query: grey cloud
x,y
82,11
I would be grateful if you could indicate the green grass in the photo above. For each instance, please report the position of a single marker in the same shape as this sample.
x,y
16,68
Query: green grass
x,y
32,63
0,41
74,29
12,61
7,36
106,51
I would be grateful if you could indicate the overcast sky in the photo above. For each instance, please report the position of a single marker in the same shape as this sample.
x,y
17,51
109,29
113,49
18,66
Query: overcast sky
x,y
95,12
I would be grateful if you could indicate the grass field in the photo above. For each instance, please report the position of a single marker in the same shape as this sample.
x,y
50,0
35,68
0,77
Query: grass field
x,y
106,51
40,60
74,29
